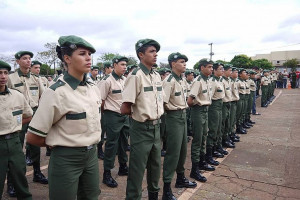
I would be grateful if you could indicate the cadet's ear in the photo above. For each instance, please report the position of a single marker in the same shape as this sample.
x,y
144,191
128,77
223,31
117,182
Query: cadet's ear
x,y
140,55
67,59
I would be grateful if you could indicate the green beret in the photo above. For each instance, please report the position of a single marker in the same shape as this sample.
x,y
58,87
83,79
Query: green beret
x,y
188,72
95,67
241,70
205,62
107,64
144,42
35,62
118,59
4,65
163,70
130,67
176,56
227,66
73,42
265,71
218,64
234,69
19,54
252,72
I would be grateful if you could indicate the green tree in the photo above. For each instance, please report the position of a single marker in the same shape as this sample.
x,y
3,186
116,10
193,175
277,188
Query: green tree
x,y
164,65
221,61
49,57
262,63
104,57
132,60
196,65
46,70
241,61
291,64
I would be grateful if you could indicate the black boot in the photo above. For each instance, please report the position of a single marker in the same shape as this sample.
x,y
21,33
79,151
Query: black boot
x,y
123,169
244,125
239,130
48,151
203,164
209,158
250,121
183,182
11,190
27,157
167,193
228,144
38,176
221,150
152,195
216,153
195,173
108,180
100,151
234,138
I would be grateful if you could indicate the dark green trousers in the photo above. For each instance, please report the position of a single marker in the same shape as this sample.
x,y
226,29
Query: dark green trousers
x,y
233,123
245,108
189,122
12,159
176,144
264,95
163,134
199,115
226,127
145,151
73,171
239,109
214,123
116,139
250,104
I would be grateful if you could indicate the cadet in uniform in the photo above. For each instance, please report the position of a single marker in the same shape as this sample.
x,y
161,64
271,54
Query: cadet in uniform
x,y
189,77
264,89
247,124
143,100
251,100
35,70
199,100
175,107
226,128
14,112
94,74
72,125
32,88
117,126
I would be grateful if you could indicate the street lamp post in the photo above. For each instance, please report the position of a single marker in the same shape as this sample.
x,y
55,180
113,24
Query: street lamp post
x,y
211,53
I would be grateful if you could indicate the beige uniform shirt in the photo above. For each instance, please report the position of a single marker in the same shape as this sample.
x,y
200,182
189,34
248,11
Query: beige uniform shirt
x,y
241,84
111,92
265,80
235,90
175,92
45,81
252,85
12,108
227,88
200,91
69,114
188,89
29,85
144,89
275,76
270,77
217,88
247,83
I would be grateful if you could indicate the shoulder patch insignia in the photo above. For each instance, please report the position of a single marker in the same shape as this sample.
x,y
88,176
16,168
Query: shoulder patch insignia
x,y
106,77
199,78
135,71
170,78
57,84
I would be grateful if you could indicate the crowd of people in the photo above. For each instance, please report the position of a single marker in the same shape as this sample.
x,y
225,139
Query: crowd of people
x,y
151,112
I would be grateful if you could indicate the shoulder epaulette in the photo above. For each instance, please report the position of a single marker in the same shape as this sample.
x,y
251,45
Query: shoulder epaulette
x,y
221,79
14,90
135,71
170,78
106,77
57,84
199,78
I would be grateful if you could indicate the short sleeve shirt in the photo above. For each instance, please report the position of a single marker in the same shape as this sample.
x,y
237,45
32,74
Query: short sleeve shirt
x,y
217,88
143,88
241,86
69,114
13,107
175,92
265,80
200,91
227,88
247,83
235,90
252,85
29,85
111,92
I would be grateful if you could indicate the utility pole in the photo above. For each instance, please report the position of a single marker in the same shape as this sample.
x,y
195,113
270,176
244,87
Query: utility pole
x,y
211,53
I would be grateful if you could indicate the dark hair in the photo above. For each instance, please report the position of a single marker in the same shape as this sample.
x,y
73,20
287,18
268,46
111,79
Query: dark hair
x,y
142,50
61,51
170,62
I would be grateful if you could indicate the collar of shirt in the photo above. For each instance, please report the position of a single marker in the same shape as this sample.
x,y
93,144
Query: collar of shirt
x,y
216,77
178,78
203,76
226,78
21,73
6,91
116,76
73,82
233,79
145,69
189,82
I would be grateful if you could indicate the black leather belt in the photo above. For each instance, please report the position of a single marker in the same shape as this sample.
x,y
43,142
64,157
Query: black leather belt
x,y
176,111
9,135
153,122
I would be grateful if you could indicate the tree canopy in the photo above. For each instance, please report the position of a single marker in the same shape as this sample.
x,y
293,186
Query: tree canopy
x,y
262,63
241,61
291,64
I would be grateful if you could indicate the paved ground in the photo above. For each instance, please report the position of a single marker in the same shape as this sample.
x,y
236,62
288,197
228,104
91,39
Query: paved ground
x,y
264,165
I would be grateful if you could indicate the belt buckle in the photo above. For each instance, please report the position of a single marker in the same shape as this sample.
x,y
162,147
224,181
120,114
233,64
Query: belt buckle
x,y
7,137
90,147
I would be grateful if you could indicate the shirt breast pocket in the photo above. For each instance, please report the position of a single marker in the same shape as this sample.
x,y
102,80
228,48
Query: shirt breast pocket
x,y
17,115
76,123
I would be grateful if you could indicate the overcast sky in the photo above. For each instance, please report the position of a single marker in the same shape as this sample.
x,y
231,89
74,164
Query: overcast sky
x,y
233,26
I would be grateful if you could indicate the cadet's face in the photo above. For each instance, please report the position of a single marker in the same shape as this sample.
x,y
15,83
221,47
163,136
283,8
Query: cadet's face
x,y
80,60
35,69
179,66
243,75
94,72
190,77
234,74
108,70
25,63
3,77
219,71
207,70
164,76
149,57
228,72
120,67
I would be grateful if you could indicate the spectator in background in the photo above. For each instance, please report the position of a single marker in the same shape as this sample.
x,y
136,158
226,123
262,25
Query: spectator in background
x,y
280,80
297,79
285,78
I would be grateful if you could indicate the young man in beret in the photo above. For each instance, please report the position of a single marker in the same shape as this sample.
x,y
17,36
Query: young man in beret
x,y
265,88
117,126
15,111
189,77
94,74
143,100
175,106
251,100
32,88
199,100
35,70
